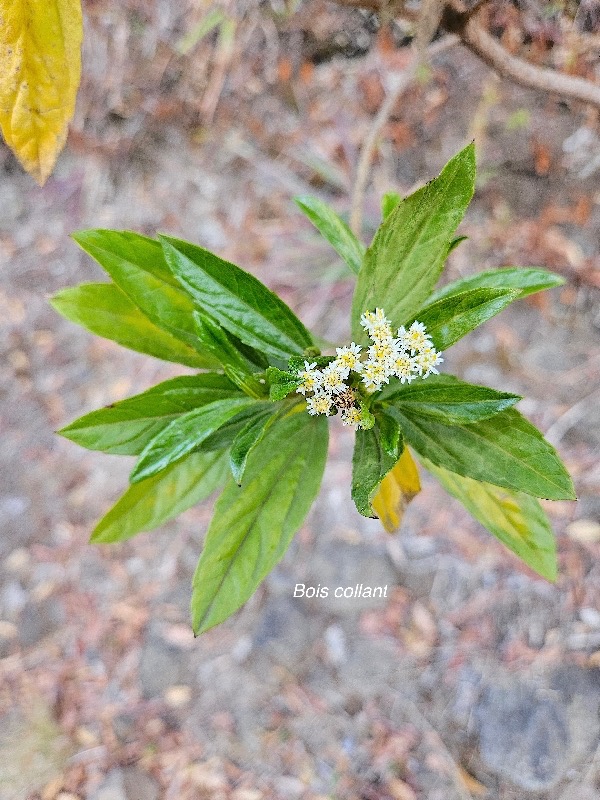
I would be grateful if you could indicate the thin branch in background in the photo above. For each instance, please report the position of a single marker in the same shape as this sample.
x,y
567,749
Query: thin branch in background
x,y
400,83
474,36
465,23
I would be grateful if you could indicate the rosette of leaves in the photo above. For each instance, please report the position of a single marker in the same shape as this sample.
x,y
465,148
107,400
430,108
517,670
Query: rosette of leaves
x,y
238,425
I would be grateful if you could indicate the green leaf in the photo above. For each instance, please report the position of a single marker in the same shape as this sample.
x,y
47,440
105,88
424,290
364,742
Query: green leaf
x,y
296,363
447,399
455,242
125,428
370,465
250,435
137,265
184,434
253,525
407,254
281,383
516,519
225,436
333,228
525,280
105,310
237,300
390,434
449,319
235,365
389,201
151,502
505,450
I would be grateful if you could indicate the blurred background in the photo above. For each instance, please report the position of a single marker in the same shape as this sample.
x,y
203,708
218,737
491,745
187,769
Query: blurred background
x,y
474,678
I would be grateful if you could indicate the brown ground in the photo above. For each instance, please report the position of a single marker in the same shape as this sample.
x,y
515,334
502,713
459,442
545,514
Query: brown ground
x,y
474,679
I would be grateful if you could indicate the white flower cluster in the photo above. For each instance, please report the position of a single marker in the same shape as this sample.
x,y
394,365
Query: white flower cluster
x,y
406,356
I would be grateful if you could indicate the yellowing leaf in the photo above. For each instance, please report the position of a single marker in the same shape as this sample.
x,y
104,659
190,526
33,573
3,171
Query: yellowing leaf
x,y
40,68
396,491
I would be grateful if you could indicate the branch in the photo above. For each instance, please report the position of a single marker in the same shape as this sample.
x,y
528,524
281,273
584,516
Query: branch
x,y
474,36
465,24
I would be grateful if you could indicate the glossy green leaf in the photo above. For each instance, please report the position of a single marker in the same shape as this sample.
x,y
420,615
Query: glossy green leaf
x,y
449,319
184,434
333,228
390,434
515,518
407,254
237,300
137,265
125,428
525,280
447,399
250,435
153,501
370,464
253,525
218,343
225,436
105,310
505,450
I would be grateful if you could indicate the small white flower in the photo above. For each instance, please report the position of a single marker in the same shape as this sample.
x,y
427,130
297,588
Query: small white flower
x,y
404,368
416,338
427,360
351,416
374,375
348,358
311,378
332,378
319,403
382,332
383,351
371,318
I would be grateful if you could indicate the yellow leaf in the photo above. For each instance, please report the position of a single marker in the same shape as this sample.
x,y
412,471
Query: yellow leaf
x,y
40,68
396,491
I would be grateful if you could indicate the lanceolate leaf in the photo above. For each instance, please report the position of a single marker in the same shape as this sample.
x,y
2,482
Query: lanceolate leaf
x,y
407,255
151,502
125,428
185,434
390,434
525,280
40,68
250,435
370,465
253,525
505,450
105,310
395,492
219,344
334,229
449,319
237,300
516,519
137,265
447,399
225,436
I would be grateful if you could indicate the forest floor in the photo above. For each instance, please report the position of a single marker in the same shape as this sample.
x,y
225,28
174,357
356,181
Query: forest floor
x,y
473,678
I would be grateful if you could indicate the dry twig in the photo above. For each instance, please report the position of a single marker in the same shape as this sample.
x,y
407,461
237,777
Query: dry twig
x,y
467,25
